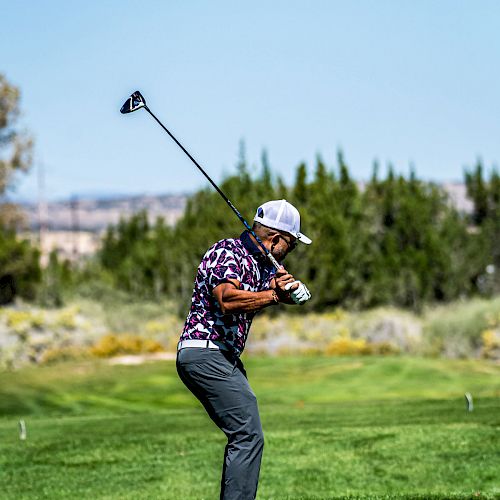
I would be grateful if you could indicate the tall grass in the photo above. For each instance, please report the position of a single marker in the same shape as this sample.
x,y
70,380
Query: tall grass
x,y
455,330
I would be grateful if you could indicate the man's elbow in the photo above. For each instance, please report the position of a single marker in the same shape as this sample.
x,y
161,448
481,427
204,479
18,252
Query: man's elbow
x,y
226,307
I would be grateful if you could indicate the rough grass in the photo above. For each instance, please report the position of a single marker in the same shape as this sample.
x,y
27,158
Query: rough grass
x,y
335,428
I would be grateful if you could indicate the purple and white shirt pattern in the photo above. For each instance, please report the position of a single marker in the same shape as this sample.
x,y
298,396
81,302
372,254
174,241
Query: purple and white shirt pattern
x,y
229,259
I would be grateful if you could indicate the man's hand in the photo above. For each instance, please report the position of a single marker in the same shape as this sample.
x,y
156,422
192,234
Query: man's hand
x,y
300,294
282,280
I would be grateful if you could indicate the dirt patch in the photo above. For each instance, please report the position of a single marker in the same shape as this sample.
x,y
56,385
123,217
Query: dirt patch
x,y
139,359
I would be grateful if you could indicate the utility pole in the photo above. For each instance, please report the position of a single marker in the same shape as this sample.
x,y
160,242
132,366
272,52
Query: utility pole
x,y
75,226
43,210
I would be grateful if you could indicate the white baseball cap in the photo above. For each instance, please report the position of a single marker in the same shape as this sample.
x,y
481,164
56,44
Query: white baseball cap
x,y
281,215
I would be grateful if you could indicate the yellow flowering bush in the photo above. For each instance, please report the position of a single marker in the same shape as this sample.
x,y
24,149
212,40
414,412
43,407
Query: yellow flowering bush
x,y
344,346
491,343
22,321
66,319
490,338
114,345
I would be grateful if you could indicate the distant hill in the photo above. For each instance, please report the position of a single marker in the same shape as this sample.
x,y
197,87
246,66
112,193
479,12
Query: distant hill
x,y
95,215
88,214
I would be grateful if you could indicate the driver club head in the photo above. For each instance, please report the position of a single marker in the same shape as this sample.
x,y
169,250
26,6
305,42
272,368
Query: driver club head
x,y
133,103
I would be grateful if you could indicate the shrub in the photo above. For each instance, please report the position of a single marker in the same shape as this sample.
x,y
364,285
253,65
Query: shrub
x,y
70,353
22,321
155,327
151,346
491,338
384,348
113,345
345,346
66,319
456,330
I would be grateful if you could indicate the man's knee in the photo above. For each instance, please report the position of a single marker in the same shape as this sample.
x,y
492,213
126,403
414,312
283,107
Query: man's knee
x,y
261,440
258,439
252,434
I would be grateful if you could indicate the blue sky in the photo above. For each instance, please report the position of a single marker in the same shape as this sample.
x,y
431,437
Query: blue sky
x,y
401,81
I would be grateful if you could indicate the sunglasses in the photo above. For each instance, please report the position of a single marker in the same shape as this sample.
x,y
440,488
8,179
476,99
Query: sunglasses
x,y
291,244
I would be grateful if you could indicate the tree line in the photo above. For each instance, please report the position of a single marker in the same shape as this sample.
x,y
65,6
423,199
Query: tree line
x,y
397,240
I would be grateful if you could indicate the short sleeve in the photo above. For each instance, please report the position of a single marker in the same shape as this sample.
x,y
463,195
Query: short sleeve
x,y
221,266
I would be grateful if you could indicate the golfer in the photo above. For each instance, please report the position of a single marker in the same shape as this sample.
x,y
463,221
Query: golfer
x,y
234,281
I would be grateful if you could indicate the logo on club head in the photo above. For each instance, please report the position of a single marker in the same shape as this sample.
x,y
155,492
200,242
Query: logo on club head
x,y
134,102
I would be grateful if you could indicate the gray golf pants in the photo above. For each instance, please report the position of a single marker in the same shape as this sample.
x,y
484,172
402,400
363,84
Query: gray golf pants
x,y
219,382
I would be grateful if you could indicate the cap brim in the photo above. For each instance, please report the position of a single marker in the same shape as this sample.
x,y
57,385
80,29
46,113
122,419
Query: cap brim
x,y
304,239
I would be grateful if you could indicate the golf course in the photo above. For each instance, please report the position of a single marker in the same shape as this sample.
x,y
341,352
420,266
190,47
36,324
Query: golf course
x,y
335,427
250,250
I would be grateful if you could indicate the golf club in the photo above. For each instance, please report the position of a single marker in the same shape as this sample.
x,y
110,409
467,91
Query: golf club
x,y
136,101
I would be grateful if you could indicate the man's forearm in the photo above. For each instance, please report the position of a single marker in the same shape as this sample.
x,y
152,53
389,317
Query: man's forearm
x,y
236,301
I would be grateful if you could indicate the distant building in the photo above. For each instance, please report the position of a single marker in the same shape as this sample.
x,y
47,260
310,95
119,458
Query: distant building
x,y
69,245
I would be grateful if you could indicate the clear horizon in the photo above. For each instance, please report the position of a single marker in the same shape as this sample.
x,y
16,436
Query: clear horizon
x,y
402,83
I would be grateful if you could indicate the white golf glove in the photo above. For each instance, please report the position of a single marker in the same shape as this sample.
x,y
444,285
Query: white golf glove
x,y
301,295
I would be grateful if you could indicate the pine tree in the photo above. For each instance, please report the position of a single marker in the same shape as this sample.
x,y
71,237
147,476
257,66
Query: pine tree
x,y
477,191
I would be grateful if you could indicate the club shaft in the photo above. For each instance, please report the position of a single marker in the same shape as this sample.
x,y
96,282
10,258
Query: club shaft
x,y
269,255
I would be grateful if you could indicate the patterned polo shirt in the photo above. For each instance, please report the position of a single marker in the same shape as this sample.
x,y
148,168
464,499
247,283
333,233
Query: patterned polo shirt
x,y
239,259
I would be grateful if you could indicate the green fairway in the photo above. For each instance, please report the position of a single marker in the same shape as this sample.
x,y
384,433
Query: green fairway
x,y
361,427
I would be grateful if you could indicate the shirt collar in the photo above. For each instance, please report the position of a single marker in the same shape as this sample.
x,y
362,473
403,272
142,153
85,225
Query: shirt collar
x,y
254,250
249,244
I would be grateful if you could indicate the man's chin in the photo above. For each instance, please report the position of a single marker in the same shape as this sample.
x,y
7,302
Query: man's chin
x,y
280,258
